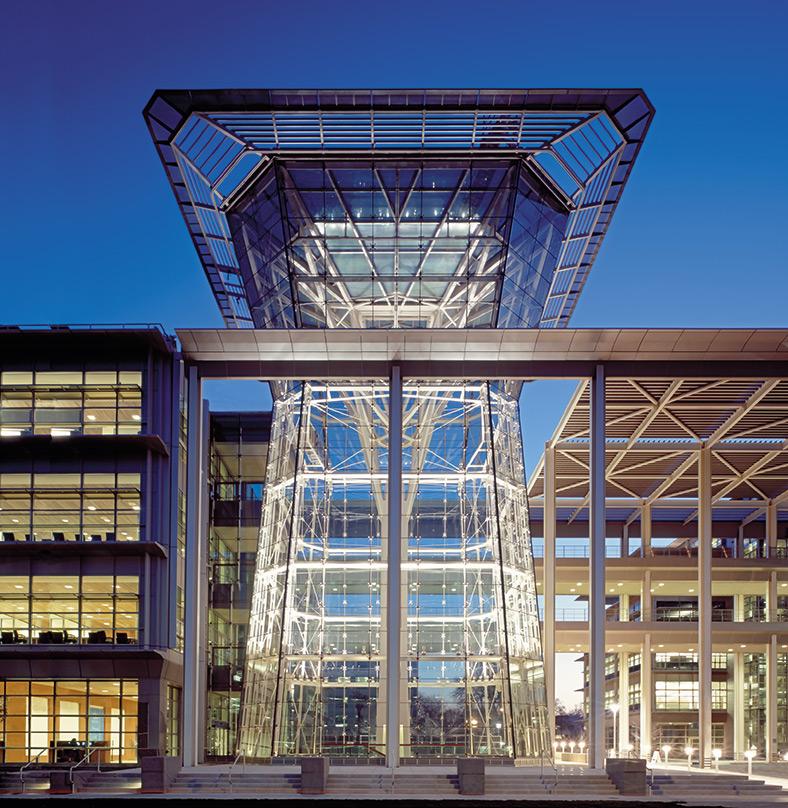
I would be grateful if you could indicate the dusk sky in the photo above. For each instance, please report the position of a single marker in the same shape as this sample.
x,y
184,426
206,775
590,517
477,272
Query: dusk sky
x,y
92,233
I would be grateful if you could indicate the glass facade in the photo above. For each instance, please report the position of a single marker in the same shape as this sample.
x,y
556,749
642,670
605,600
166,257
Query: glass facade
x,y
238,453
456,243
89,507
60,721
471,650
69,609
64,403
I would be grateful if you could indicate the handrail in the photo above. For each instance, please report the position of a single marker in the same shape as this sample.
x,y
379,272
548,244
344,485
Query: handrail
x,y
79,763
240,756
30,763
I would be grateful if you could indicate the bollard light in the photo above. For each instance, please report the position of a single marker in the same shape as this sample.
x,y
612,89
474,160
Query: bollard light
x,y
582,746
688,750
571,747
716,754
750,754
666,751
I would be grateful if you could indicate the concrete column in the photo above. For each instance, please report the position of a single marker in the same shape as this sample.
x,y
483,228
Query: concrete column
x,y
645,531
740,543
623,703
596,588
771,751
194,672
645,598
704,605
739,740
771,530
646,690
393,577
548,634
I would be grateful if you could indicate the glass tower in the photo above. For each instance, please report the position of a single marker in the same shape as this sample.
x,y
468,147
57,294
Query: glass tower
x,y
413,209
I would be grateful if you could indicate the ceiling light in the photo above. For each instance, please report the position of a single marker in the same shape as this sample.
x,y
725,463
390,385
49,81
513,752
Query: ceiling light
x,y
660,584
91,507
91,417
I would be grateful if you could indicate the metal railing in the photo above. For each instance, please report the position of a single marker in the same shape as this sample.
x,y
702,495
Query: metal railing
x,y
28,764
85,758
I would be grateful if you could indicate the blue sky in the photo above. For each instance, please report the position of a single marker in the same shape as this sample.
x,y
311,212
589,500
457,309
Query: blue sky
x,y
91,232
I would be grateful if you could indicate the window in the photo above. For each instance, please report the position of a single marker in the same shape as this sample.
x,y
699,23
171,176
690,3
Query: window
x,y
60,609
65,719
719,662
719,695
675,695
173,721
64,403
70,507
634,694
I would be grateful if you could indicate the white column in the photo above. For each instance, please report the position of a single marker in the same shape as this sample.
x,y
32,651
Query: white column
x,y
771,530
771,598
645,598
704,604
645,531
623,608
194,671
393,594
596,599
623,703
739,740
548,567
624,551
771,751
645,697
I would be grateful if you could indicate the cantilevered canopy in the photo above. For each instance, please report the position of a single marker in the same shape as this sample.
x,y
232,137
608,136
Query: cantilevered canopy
x,y
272,354
655,429
580,143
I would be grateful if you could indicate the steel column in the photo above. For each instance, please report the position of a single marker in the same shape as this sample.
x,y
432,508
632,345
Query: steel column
x,y
548,634
704,605
645,697
771,752
623,704
393,594
645,530
771,529
596,574
194,685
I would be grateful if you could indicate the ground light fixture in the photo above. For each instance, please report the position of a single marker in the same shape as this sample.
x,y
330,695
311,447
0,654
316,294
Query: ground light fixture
x,y
688,750
666,751
750,754
716,754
